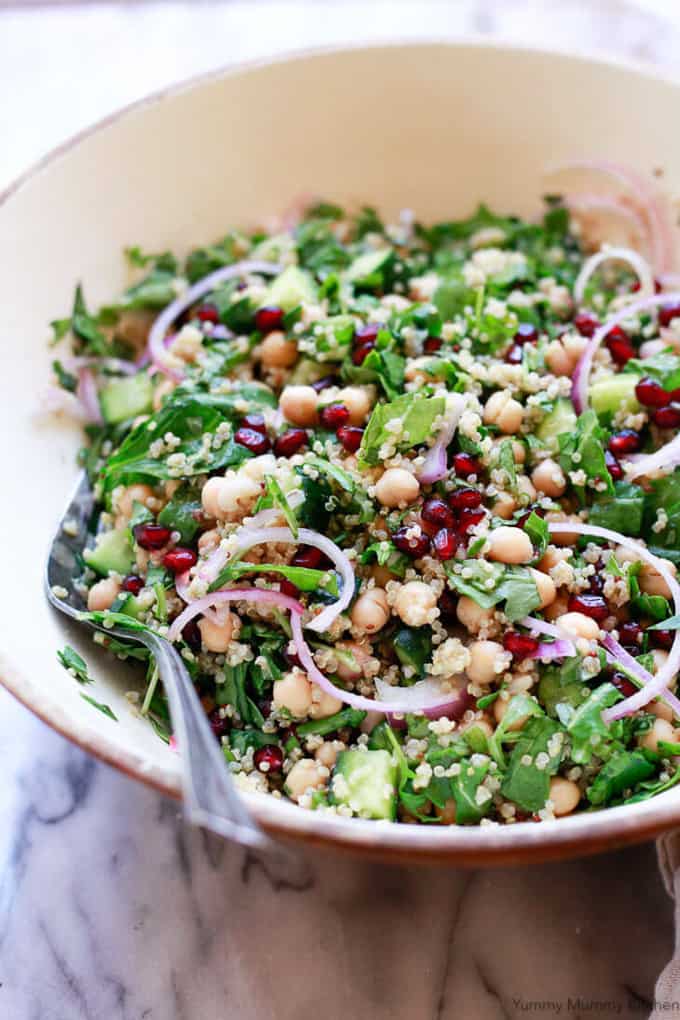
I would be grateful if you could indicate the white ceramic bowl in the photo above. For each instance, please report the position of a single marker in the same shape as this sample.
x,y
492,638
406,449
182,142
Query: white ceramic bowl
x,y
431,127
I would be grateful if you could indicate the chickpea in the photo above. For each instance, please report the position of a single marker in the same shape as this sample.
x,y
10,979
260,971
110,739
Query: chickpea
x,y
323,704
661,730
557,359
500,707
216,636
580,626
546,587
551,557
306,774
651,581
328,753
504,411
447,814
298,405
564,795
277,352
504,505
487,660
548,477
371,612
661,710
258,467
510,545
360,654
229,497
102,594
138,493
397,487
472,616
359,401
293,692
415,603
209,540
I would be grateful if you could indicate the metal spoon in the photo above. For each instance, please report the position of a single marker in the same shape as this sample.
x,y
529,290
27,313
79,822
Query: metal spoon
x,y
210,797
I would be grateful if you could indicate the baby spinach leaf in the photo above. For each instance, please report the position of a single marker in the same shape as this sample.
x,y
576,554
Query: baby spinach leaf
x,y
588,732
232,691
621,772
465,787
519,592
521,706
535,758
583,450
416,415
620,511
182,514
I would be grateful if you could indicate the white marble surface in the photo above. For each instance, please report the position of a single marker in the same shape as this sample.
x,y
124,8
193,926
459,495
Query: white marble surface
x,y
109,907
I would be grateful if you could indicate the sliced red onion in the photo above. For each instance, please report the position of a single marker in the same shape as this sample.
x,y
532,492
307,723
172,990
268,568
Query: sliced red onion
x,y
667,457
579,383
249,537
435,466
619,654
75,362
547,650
216,598
659,683
221,332
543,627
88,396
166,318
636,261
424,696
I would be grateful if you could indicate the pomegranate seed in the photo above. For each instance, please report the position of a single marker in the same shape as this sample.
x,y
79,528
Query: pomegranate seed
x,y
669,312
586,324
447,605
217,724
208,313
445,543
324,383
613,466
290,442
635,286
468,517
432,344
132,583
252,440
514,355
192,635
593,606
254,421
465,499
334,415
651,393
288,588
413,545
625,441
619,345
661,638
307,556
179,559
519,645
596,584
623,684
350,437
526,333
629,634
667,417
538,510
367,333
359,354
268,758
268,318
436,511
464,465
152,536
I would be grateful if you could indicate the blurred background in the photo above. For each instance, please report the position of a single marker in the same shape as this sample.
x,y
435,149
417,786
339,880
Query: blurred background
x,y
64,65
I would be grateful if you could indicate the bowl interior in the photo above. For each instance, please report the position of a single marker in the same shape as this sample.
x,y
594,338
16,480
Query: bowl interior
x,y
436,128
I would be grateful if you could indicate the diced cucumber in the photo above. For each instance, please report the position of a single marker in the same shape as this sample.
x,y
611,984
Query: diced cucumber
x,y
615,393
366,782
291,288
413,647
367,270
122,399
128,604
112,552
561,419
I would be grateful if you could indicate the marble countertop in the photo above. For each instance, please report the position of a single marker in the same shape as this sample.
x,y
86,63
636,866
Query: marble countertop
x,y
110,909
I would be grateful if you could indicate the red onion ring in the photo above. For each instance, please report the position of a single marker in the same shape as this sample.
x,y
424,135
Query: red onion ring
x,y
88,396
618,653
264,595
659,683
166,318
592,264
586,203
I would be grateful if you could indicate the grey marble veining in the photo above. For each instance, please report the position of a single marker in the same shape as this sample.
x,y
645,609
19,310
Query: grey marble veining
x,y
110,909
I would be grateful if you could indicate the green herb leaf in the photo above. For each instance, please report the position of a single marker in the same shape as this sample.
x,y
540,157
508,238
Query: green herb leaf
x,y
583,450
416,414
98,705
75,664
535,758
621,772
588,732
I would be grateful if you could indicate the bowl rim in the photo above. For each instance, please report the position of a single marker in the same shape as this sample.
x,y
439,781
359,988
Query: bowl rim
x,y
484,845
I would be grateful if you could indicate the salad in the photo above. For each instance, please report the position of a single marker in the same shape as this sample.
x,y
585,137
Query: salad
x,y
405,498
